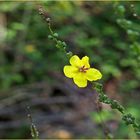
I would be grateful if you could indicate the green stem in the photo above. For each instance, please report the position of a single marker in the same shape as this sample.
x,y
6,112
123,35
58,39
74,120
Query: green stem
x,y
34,131
128,118
59,44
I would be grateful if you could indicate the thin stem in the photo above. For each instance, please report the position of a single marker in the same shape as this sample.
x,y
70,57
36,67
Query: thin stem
x,y
49,26
54,36
34,131
128,118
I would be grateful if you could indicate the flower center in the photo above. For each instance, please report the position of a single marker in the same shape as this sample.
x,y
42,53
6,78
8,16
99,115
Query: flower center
x,y
83,69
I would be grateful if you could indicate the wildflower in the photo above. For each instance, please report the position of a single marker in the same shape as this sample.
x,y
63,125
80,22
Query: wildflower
x,y
80,71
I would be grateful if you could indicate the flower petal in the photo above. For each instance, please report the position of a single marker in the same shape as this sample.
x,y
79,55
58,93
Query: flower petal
x,y
70,71
85,61
75,61
80,80
93,74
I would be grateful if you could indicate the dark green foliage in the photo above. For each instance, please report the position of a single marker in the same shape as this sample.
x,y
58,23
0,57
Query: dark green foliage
x,y
89,31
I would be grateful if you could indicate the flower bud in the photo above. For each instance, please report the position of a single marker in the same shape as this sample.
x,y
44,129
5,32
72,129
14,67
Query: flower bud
x,y
48,20
64,44
50,37
69,54
55,34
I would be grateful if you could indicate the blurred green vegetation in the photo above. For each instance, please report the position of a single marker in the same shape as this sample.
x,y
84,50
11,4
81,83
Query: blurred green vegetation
x,y
105,31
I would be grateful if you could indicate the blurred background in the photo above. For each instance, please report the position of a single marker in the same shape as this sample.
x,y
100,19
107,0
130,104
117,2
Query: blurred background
x,y
31,68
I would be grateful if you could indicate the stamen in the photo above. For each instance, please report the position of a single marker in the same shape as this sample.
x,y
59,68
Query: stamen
x,y
83,69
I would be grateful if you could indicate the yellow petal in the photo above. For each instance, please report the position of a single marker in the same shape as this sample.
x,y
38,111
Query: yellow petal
x,y
75,61
70,71
85,61
80,80
93,74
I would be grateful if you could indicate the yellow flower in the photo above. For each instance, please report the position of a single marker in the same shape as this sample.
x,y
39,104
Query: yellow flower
x,y
29,48
80,71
